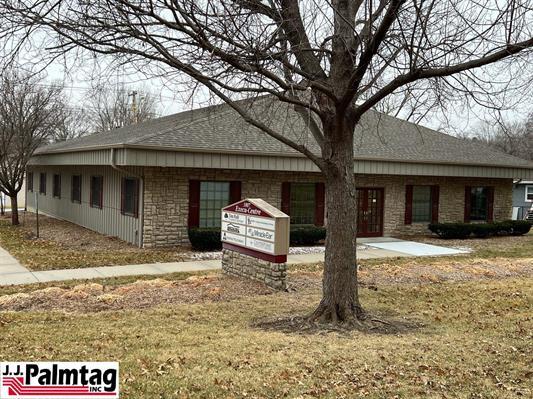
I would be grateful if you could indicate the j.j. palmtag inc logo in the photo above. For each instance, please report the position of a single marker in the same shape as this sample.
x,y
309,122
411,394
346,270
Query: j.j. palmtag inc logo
x,y
50,380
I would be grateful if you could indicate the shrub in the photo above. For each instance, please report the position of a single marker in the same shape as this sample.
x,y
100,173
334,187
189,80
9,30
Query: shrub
x,y
205,239
480,230
519,227
484,230
451,230
307,234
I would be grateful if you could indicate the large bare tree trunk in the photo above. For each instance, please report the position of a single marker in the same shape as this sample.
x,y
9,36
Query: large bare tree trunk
x,y
340,301
14,210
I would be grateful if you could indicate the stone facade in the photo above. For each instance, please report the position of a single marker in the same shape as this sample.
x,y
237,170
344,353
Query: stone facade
x,y
166,193
274,275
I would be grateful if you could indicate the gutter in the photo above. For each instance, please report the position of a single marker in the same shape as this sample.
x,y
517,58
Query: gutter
x,y
141,194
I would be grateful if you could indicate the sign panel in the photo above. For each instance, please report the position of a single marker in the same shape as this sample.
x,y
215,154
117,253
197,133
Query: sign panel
x,y
257,227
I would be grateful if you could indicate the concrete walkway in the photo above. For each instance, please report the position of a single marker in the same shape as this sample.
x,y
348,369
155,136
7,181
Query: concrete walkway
x,y
13,273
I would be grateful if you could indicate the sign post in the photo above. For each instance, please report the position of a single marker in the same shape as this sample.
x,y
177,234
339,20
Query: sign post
x,y
255,241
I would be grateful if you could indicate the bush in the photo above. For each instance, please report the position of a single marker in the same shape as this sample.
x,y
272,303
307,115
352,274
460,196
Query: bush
x,y
480,230
484,230
451,230
519,227
307,234
205,239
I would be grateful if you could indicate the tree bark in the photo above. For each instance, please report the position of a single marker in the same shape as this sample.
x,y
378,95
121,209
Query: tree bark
x,y
14,210
340,300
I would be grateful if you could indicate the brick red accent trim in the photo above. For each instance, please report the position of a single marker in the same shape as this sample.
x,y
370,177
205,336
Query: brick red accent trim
x,y
408,204
256,254
286,198
435,198
320,198
490,204
468,190
194,203
235,191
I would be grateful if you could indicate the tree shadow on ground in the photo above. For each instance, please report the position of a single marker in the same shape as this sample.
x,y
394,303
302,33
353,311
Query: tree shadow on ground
x,y
372,324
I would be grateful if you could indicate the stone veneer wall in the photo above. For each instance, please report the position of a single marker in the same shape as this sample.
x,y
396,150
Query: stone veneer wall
x,y
274,275
166,197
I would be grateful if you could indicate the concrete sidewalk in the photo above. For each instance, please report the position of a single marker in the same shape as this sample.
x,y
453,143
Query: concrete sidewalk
x,y
13,273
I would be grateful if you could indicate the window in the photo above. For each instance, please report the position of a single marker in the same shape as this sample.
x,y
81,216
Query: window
x,y
302,203
479,203
56,186
214,195
130,197
75,194
97,191
29,178
421,204
529,193
42,183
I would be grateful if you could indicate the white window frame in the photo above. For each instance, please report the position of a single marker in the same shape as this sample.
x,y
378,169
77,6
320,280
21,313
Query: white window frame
x,y
528,188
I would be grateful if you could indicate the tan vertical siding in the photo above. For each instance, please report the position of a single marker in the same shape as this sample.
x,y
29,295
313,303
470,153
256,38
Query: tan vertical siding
x,y
107,220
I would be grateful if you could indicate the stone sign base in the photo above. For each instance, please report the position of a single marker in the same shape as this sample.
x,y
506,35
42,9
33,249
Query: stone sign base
x,y
274,275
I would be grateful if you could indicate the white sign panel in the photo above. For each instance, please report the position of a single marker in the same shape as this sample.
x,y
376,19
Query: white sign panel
x,y
233,217
266,235
262,223
260,245
235,228
233,238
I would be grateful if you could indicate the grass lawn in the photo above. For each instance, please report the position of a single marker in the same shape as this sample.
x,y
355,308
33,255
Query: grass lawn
x,y
63,245
473,340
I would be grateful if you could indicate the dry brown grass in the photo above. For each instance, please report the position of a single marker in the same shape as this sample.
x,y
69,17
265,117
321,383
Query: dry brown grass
x,y
474,342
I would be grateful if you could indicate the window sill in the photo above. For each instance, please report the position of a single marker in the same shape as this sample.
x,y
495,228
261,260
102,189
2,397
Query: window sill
x,y
133,215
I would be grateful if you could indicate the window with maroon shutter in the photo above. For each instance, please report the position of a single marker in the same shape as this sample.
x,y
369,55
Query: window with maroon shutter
x,y
479,204
97,192
207,198
421,204
130,196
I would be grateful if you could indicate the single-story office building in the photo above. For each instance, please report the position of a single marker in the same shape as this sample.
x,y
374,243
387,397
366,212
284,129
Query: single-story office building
x,y
148,183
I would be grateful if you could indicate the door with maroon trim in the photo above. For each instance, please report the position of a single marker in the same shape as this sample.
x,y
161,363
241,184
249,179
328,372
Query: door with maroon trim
x,y
370,212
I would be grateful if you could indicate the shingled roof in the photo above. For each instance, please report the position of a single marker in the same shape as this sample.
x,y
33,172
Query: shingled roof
x,y
220,129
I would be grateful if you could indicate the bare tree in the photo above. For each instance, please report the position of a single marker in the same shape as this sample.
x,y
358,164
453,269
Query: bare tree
x,y
331,61
512,137
114,107
28,114
73,122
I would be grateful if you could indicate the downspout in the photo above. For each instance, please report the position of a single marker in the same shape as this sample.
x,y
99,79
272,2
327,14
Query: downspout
x,y
141,194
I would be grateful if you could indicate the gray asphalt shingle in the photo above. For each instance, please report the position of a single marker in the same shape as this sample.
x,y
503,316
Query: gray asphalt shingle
x,y
220,128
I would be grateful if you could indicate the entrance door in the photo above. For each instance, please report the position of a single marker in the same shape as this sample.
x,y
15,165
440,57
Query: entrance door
x,y
370,212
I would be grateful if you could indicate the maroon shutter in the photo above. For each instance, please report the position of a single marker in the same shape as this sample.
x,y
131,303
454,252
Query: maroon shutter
x,y
286,197
320,196
136,202
408,204
101,179
194,203
234,191
468,190
91,191
122,194
435,194
490,204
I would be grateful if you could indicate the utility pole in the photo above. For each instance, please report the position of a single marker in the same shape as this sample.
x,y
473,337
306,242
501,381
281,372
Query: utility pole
x,y
133,94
